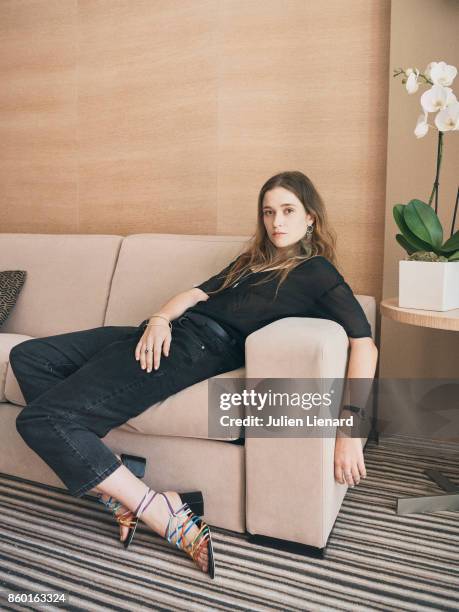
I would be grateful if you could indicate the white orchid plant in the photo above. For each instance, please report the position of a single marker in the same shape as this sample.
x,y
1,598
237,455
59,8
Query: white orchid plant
x,y
422,232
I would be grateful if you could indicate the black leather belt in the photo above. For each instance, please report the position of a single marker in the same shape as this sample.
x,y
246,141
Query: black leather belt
x,y
201,320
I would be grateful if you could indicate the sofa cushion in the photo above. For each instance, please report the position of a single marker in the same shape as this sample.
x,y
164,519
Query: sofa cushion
x,y
151,268
11,282
68,281
183,414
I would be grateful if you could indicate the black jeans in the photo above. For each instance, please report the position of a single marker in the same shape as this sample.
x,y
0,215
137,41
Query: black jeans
x,y
80,385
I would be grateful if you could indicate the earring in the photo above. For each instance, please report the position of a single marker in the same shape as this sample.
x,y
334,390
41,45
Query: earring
x,y
309,230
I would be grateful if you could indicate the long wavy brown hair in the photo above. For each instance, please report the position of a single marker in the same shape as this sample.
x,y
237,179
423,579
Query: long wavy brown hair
x,y
260,253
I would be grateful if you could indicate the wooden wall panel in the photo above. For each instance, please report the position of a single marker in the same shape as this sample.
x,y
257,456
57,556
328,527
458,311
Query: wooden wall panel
x,y
167,116
148,116
38,111
303,85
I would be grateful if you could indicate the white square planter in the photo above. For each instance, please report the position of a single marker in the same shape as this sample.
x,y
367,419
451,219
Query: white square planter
x,y
428,285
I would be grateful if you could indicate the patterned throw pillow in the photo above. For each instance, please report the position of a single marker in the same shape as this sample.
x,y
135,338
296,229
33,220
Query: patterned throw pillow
x,y
11,282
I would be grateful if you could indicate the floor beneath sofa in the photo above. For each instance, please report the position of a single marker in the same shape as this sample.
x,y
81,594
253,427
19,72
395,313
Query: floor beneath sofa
x,y
375,560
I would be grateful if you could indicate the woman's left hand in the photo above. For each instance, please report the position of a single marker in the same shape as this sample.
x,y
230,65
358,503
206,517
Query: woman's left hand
x,y
349,463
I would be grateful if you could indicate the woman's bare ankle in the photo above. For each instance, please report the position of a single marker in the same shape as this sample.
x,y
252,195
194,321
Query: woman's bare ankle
x,y
157,513
156,516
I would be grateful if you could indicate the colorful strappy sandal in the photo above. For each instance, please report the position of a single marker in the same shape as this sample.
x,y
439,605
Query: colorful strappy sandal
x,y
180,522
136,465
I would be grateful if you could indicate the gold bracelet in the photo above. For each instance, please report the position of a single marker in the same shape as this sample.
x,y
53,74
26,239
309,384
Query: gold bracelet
x,y
160,317
158,324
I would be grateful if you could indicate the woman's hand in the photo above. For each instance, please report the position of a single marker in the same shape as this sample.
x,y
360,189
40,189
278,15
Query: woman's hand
x,y
349,464
156,338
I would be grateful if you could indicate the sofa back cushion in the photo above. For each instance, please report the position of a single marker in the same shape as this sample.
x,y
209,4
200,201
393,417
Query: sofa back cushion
x,y
152,268
67,284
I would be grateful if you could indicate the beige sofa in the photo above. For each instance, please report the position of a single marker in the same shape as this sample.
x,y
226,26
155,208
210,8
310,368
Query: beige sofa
x,y
278,488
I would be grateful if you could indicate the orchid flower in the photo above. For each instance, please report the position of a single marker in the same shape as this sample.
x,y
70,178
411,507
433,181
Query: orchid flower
x,y
441,73
412,84
422,127
437,98
448,118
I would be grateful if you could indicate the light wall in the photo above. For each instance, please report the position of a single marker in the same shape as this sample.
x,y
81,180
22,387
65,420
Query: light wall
x,y
128,116
421,31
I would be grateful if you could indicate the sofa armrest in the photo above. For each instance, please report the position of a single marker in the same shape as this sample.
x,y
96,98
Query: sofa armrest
x,y
9,388
291,493
297,347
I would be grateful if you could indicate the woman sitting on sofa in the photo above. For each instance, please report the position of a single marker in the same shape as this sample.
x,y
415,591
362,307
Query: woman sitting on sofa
x,y
80,385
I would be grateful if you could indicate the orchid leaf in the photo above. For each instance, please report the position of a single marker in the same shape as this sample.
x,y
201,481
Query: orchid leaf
x,y
454,256
403,242
423,222
452,244
416,242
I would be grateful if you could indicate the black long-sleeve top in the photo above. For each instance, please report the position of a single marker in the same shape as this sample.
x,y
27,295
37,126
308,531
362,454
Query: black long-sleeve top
x,y
314,288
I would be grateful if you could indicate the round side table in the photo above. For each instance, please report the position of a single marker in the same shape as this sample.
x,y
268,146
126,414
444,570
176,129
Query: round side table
x,y
448,320
435,319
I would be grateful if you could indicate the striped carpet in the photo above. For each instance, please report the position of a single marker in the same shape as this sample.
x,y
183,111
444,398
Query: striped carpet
x,y
375,560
